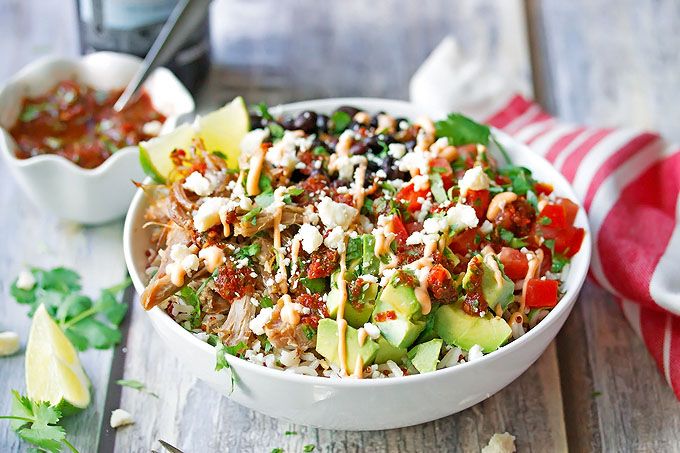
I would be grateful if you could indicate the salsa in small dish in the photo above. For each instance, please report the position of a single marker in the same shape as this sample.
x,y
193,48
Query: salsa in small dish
x,y
357,244
79,123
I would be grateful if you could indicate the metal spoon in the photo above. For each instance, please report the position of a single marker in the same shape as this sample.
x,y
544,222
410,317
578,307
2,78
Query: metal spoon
x,y
185,17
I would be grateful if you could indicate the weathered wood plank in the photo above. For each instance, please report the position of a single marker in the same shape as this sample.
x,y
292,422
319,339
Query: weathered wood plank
x,y
611,65
28,237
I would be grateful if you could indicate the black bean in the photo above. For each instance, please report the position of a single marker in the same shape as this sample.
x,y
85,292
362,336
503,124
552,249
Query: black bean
x,y
358,148
306,121
288,124
322,123
256,121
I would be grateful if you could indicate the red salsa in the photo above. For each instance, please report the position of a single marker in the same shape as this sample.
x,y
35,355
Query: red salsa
x,y
80,124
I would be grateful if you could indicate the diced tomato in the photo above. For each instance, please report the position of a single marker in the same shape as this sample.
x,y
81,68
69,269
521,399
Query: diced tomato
x,y
556,214
543,188
465,242
514,262
399,229
440,284
444,169
541,293
479,200
573,243
409,195
570,209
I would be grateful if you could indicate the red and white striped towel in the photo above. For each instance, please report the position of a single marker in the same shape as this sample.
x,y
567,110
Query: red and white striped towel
x,y
628,182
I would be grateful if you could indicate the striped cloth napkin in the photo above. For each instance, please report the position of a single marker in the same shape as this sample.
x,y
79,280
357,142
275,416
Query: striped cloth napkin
x,y
627,180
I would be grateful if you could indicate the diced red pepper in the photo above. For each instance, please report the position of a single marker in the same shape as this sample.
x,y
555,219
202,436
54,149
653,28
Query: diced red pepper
x,y
543,188
514,262
556,214
479,200
409,195
399,229
541,293
570,209
464,242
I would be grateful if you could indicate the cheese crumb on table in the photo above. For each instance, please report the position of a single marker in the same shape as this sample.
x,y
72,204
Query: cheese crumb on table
x,y
120,417
9,343
501,443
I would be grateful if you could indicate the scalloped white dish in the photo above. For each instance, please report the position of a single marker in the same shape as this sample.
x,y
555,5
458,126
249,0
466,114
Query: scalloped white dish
x,y
351,404
57,185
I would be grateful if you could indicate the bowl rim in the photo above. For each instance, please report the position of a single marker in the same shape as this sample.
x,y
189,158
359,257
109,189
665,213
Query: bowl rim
x,y
563,307
7,141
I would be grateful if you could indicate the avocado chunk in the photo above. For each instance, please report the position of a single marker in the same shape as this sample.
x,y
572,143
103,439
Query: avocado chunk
x,y
425,356
398,313
370,262
428,332
497,288
357,312
388,352
458,328
327,345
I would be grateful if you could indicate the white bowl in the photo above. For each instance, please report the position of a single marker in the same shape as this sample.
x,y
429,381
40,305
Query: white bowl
x,y
351,404
55,184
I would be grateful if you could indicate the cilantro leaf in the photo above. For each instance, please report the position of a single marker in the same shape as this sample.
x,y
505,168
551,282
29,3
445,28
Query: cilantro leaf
x,y
221,362
251,216
276,131
307,448
263,110
522,181
355,249
247,251
510,239
558,262
37,423
190,296
266,302
461,130
340,121
136,385
87,323
308,331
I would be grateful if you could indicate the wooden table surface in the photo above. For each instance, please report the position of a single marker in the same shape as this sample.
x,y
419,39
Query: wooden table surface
x,y
598,62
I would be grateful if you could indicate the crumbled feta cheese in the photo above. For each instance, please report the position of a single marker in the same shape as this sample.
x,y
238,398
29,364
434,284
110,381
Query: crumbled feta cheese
x,y
372,330
252,141
258,322
473,179
310,238
475,353
421,182
335,239
369,278
435,225
425,207
381,174
198,184
240,264
284,152
120,417
417,161
462,216
487,227
25,280
185,257
334,214
9,343
415,238
501,443
310,216
396,150
208,213
152,127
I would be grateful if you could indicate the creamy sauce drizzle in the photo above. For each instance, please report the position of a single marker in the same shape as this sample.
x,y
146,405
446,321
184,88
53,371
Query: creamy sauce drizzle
x,y
342,324
256,163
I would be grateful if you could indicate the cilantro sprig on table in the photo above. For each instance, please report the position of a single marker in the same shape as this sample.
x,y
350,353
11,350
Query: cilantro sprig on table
x,y
86,322
38,423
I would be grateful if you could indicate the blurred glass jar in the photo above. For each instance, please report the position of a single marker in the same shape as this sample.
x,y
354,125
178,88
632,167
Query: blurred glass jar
x,y
131,26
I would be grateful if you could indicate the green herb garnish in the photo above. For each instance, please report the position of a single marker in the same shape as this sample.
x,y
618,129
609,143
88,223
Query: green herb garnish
x,y
461,130
437,188
247,251
340,121
136,385
315,285
251,216
263,110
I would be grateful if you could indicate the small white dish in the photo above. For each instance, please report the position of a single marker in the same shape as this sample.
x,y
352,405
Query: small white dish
x,y
369,404
55,184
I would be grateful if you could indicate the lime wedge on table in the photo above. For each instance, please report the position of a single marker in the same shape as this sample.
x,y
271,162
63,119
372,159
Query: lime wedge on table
x,y
53,371
221,130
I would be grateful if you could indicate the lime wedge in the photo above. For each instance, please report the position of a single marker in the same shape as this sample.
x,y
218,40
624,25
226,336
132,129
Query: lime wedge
x,y
223,129
53,371
154,155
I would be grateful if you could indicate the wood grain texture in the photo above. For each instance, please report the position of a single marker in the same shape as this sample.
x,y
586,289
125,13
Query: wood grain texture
x,y
614,64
